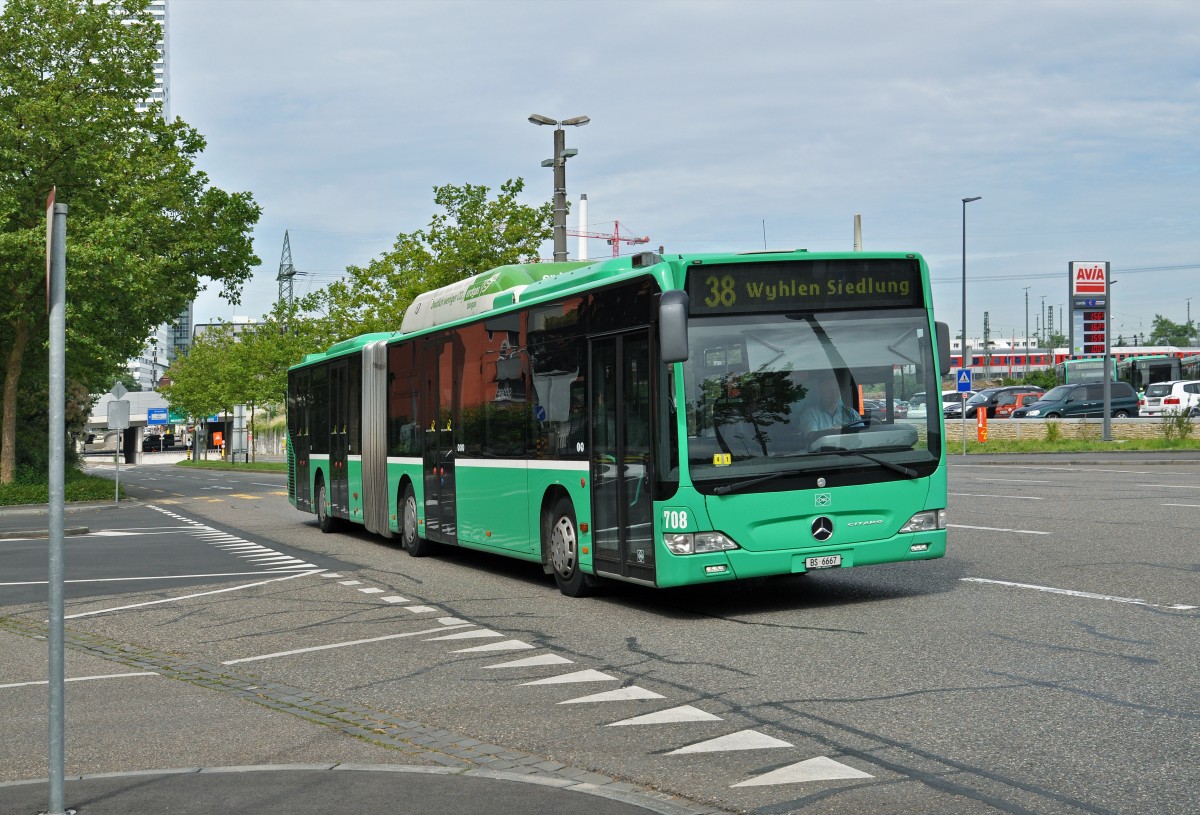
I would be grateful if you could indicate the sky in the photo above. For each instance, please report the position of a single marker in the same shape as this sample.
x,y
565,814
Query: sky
x,y
724,126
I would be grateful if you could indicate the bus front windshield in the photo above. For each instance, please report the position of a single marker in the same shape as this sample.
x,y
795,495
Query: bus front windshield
x,y
792,394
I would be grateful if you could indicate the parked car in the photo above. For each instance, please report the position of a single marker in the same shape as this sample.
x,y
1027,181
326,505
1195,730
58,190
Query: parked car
x,y
952,403
1176,396
1082,401
1000,402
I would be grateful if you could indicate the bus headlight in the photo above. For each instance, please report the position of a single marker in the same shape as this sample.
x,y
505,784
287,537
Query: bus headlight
x,y
927,521
681,543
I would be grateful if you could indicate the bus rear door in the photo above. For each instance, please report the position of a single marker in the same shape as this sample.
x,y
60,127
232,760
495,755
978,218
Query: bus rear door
x,y
442,367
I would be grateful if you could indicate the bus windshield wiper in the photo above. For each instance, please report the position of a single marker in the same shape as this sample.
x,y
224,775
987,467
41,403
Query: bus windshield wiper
x,y
725,489
907,472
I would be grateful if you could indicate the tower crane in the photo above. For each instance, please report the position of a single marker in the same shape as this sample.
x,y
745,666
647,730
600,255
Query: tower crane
x,y
614,238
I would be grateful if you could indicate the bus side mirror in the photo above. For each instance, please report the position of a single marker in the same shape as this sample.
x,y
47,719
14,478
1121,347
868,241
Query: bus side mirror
x,y
672,326
943,343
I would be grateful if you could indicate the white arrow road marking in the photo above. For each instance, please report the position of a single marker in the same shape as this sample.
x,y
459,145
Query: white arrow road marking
x,y
684,713
530,662
814,769
578,676
741,740
619,695
507,645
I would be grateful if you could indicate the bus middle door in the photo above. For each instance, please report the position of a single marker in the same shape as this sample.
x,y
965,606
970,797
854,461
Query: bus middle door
x,y
442,367
622,504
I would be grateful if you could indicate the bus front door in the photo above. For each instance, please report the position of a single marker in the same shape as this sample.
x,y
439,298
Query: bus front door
x,y
441,372
622,520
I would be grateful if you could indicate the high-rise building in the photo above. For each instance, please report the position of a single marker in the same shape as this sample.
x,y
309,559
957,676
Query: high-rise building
x,y
170,339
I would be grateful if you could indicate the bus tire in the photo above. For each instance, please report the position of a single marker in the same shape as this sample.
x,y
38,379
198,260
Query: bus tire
x,y
561,534
325,522
410,537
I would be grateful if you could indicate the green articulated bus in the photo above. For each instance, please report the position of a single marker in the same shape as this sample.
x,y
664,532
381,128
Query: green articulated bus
x,y
661,421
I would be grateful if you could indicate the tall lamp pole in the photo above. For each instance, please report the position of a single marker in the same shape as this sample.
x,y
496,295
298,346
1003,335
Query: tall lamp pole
x,y
966,359
559,162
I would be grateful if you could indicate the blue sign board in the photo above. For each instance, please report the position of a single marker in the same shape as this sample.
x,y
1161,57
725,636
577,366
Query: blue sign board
x,y
213,419
964,380
156,415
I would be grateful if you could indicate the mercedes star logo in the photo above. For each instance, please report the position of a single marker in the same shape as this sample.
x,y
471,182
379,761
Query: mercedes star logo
x,y
822,528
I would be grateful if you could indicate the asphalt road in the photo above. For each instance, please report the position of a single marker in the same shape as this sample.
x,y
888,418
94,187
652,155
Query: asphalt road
x,y
1046,665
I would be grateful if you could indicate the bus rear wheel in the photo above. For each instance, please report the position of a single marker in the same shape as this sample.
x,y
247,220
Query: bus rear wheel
x,y
561,534
409,536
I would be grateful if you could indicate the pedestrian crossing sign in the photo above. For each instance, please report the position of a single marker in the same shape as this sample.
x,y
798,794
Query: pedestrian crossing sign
x,y
964,380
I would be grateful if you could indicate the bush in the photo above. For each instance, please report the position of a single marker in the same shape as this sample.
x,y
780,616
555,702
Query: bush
x,y
1176,425
31,488
1053,431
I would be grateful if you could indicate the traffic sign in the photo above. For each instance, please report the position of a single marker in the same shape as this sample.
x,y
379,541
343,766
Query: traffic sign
x,y
118,414
156,416
964,380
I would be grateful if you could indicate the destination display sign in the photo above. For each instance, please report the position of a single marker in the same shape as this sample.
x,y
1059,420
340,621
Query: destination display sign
x,y
804,285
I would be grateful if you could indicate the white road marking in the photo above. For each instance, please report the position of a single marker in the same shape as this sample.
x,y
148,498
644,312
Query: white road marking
x,y
998,529
1182,505
334,574
1013,480
346,644
1171,486
80,679
986,495
187,596
507,645
629,694
480,634
814,769
530,662
150,577
395,598
420,609
350,582
683,713
578,676
371,591
449,620
741,740
1087,595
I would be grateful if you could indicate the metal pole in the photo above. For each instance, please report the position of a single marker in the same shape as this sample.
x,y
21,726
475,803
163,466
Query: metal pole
x,y
1107,424
58,424
560,195
1026,332
966,360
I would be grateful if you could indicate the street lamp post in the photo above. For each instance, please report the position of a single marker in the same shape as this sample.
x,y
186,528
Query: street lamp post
x,y
559,162
966,360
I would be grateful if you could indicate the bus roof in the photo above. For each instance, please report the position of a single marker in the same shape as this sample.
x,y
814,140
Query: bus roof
x,y
507,286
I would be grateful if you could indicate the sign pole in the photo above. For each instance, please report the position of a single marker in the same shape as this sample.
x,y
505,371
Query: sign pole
x,y
57,302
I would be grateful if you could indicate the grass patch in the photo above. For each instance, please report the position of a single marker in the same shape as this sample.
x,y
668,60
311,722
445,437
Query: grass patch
x,y
241,466
1063,445
77,486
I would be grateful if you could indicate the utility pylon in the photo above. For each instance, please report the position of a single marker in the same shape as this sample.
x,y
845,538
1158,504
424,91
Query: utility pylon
x,y
286,270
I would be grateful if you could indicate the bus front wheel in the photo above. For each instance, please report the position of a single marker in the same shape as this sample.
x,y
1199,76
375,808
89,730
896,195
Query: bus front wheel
x,y
410,538
562,538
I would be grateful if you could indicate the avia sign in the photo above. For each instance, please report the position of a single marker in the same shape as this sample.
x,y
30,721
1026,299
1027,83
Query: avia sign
x,y
1089,278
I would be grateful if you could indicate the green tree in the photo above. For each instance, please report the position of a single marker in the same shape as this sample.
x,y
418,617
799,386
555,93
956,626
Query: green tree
x,y
144,229
472,233
1165,332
